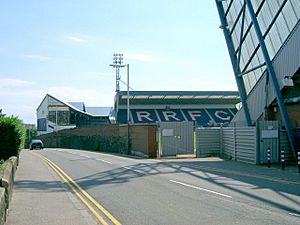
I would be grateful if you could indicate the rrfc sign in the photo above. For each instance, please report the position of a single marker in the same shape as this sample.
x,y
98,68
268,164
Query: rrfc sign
x,y
201,116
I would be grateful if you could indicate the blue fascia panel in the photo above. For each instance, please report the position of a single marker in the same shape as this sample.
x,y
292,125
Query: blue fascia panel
x,y
220,115
200,116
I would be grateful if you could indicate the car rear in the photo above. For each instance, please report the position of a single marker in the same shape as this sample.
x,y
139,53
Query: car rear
x,y
36,144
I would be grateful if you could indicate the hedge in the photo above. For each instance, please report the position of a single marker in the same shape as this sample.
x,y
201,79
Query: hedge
x,y
12,136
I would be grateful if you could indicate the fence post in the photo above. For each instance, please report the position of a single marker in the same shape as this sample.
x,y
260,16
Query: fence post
x,y
234,143
269,157
221,141
282,159
299,161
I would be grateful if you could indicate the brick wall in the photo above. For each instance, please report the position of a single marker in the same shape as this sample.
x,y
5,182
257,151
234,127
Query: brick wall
x,y
106,138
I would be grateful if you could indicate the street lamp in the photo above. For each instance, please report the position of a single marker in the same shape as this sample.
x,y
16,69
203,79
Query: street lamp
x,y
118,63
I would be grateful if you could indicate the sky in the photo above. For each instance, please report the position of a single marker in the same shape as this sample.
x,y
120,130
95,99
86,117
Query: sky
x,y
64,48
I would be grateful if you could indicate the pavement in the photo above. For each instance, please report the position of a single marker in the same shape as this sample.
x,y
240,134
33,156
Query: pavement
x,y
40,197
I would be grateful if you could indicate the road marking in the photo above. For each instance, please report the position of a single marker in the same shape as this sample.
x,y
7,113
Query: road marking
x,y
294,214
103,160
100,218
199,188
137,171
211,169
77,190
115,221
88,157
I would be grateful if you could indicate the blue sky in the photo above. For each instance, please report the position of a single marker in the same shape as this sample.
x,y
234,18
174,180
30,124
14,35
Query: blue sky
x,y
64,48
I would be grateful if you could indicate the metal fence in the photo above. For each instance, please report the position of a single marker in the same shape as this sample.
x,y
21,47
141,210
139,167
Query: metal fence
x,y
207,141
236,143
245,144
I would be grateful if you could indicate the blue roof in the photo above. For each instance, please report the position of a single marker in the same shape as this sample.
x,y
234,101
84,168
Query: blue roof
x,y
178,97
78,105
99,111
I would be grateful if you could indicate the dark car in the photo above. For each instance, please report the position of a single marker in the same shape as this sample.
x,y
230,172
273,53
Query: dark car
x,y
36,144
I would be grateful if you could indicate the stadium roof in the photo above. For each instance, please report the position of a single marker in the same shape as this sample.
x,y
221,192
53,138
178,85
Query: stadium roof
x,y
181,95
178,97
99,111
80,107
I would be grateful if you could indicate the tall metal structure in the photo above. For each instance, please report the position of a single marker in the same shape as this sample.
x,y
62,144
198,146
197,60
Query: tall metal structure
x,y
257,33
117,63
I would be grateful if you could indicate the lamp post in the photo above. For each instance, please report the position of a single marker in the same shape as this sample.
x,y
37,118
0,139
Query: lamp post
x,y
117,64
128,115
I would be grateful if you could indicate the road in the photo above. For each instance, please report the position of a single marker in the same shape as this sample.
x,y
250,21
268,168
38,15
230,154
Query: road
x,y
188,191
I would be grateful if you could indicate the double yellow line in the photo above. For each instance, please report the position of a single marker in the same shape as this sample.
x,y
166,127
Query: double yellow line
x,y
81,194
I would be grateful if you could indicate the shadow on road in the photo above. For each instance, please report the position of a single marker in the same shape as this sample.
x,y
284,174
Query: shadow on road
x,y
221,173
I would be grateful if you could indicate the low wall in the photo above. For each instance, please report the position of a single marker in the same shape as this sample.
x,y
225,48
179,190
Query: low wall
x,y
104,138
6,186
2,206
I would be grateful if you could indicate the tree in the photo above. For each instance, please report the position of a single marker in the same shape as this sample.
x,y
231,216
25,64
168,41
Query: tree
x,y
1,115
30,135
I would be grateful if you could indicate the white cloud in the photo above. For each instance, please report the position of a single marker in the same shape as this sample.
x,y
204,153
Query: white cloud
x,y
75,39
8,82
212,85
139,56
96,74
89,96
37,57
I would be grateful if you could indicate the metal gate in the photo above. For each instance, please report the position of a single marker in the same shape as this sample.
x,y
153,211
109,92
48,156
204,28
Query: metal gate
x,y
176,138
269,138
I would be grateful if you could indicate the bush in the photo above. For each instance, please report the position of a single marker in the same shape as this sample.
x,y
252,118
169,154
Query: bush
x,y
12,136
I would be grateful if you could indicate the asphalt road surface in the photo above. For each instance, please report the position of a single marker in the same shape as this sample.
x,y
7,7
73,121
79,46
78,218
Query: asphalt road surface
x,y
130,191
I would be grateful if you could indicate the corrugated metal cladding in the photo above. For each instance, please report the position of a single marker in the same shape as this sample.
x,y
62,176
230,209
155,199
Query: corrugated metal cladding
x,y
246,144
228,143
257,99
256,103
286,63
176,138
266,143
236,143
207,141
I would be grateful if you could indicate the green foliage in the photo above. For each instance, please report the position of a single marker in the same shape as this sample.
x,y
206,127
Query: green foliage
x,y
12,136
30,135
